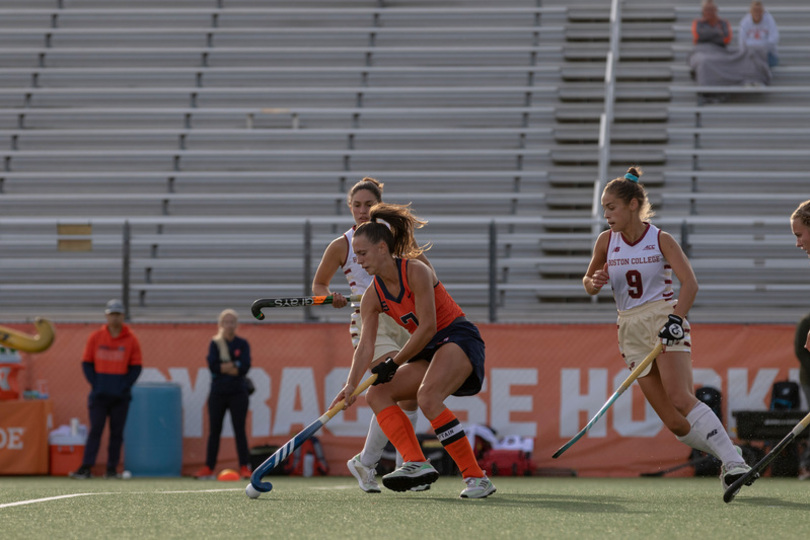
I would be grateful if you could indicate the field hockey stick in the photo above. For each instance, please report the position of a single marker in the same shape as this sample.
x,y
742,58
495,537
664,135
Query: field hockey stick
x,y
751,476
624,386
256,486
20,341
690,463
297,301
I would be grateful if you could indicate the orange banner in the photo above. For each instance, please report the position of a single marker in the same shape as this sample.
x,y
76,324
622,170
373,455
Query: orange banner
x,y
24,427
543,381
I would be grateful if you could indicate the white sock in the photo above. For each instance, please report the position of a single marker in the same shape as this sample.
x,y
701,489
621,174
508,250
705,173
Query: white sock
x,y
412,416
707,434
375,443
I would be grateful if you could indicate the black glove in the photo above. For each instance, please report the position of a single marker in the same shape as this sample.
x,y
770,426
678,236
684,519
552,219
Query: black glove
x,y
385,371
672,332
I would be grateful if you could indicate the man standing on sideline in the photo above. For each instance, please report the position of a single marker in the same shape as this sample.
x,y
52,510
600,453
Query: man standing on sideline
x,y
111,364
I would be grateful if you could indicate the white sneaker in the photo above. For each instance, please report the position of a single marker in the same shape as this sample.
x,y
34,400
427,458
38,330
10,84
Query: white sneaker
x,y
731,472
477,488
423,487
364,475
411,474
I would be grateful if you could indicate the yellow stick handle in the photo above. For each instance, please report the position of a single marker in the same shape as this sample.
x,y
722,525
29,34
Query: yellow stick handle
x,y
357,391
23,342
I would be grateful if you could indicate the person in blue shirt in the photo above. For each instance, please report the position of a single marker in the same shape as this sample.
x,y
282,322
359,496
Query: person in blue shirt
x,y
229,362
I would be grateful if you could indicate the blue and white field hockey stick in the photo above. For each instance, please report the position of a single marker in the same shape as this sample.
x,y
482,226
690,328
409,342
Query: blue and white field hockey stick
x,y
624,386
256,486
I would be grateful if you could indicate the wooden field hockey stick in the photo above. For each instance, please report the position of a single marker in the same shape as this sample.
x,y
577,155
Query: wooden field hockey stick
x,y
256,486
20,341
296,301
751,476
624,386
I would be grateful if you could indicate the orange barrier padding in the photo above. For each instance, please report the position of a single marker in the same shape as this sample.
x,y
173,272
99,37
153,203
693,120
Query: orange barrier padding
x,y
24,427
543,382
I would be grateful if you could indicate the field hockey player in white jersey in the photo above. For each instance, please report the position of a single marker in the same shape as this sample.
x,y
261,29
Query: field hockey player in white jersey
x,y
638,260
390,336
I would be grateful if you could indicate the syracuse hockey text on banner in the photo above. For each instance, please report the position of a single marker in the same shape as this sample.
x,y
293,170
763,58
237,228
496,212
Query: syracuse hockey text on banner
x,y
543,382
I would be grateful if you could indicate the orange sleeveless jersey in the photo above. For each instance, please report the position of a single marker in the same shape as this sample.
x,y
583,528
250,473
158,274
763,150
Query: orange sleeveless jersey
x,y
401,308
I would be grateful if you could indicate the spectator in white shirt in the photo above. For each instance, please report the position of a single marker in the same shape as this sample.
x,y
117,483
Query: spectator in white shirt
x,y
758,30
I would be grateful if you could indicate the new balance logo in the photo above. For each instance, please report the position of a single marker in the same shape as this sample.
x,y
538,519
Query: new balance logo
x,y
617,249
711,434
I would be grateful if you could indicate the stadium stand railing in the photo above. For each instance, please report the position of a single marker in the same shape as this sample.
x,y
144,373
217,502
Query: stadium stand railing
x,y
139,109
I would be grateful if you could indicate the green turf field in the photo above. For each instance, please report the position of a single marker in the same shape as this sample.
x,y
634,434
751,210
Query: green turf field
x,y
335,508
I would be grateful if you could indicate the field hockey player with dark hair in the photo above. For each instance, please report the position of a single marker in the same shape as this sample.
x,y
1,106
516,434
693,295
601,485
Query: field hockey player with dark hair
x,y
638,261
390,337
444,355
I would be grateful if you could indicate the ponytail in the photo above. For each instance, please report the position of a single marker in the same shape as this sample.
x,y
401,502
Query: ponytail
x,y
393,224
629,187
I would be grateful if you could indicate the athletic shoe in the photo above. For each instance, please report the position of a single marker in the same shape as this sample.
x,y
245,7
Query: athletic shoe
x,y
204,473
731,472
477,488
364,475
409,475
423,487
82,473
244,472
111,473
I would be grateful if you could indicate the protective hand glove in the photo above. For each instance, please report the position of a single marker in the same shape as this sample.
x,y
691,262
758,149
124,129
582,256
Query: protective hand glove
x,y
385,371
672,332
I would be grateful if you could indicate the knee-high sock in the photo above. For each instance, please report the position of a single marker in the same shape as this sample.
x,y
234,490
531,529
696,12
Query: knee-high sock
x,y
397,427
412,416
376,441
707,434
450,433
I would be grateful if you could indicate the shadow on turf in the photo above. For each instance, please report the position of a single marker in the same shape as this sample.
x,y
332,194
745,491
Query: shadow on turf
x,y
580,504
769,501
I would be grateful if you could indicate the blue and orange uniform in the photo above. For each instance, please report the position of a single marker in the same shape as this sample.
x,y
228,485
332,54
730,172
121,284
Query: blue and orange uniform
x,y
111,365
451,327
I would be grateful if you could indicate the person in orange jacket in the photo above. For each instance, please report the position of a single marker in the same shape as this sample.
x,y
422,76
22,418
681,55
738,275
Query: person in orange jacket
x,y
112,363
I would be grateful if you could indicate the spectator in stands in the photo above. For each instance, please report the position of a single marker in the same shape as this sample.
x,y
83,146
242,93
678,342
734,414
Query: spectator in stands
x,y
112,363
800,225
711,28
229,361
758,30
712,63
390,336
638,261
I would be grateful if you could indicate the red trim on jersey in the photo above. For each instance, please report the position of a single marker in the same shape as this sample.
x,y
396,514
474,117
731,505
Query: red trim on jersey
x,y
640,237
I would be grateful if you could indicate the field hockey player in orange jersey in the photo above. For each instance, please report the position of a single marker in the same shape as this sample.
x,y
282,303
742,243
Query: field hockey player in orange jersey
x,y
444,355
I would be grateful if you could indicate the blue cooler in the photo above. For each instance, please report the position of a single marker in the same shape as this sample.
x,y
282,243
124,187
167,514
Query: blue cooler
x,y
153,435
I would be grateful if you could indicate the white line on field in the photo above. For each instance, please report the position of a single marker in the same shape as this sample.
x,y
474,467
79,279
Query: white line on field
x,y
46,499
69,496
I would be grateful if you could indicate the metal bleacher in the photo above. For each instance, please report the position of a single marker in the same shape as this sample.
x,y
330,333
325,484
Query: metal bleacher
x,y
200,151
226,134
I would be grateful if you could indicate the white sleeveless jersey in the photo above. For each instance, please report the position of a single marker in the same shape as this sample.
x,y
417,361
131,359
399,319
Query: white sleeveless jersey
x,y
359,280
638,273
